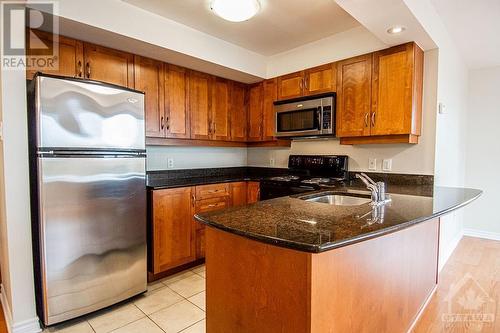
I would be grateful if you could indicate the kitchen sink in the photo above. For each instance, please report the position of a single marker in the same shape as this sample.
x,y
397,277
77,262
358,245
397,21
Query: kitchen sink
x,y
338,199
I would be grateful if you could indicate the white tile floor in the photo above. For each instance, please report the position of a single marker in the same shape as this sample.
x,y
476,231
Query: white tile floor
x,y
174,304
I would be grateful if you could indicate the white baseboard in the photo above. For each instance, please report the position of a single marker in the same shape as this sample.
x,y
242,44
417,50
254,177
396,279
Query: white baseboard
x,y
482,234
448,250
28,326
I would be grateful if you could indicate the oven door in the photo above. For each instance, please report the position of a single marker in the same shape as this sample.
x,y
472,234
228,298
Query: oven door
x,y
302,118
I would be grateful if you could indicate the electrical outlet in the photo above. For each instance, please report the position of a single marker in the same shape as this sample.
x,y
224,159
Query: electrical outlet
x,y
170,163
272,162
372,164
387,165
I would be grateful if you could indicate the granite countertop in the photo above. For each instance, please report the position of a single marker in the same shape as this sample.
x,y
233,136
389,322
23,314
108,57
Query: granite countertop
x,y
316,227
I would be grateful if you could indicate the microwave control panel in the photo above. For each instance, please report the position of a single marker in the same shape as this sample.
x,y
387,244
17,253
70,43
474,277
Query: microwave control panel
x,y
327,117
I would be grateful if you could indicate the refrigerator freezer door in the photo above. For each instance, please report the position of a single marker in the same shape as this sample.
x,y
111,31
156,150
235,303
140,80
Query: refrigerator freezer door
x,y
92,233
83,115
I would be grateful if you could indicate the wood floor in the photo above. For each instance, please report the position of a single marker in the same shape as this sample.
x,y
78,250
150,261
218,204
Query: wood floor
x,y
468,294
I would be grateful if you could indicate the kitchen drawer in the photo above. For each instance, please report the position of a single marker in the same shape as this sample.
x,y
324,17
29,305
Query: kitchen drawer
x,y
212,191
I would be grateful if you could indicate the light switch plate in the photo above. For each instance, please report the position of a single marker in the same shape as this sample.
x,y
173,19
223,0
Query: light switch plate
x,y
372,164
387,164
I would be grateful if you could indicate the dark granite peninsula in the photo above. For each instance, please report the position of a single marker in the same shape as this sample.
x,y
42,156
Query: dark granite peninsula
x,y
291,265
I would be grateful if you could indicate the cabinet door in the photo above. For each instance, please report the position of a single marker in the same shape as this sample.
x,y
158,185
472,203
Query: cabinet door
x,y
177,101
173,229
108,65
220,109
149,78
253,193
70,58
354,96
393,90
255,104
269,117
238,116
199,105
291,85
239,194
321,79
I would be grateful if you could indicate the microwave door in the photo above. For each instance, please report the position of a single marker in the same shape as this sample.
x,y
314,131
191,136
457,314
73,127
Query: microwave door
x,y
302,122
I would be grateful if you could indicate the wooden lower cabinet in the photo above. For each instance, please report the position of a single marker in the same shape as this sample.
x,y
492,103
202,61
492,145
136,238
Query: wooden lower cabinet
x,y
173,231
253,192
176,239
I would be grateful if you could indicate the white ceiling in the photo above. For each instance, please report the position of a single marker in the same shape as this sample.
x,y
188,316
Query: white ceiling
x,y
475,27
280,25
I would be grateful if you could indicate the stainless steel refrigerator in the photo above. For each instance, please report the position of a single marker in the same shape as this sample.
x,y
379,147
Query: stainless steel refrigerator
x,y
88,195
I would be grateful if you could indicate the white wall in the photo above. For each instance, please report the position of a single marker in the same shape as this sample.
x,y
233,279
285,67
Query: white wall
x,y
340,46
409,159
450,127
18,275
195,157
483,152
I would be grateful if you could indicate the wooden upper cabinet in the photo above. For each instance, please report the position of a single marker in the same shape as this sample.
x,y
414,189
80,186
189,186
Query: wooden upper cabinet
x,y
291,85
221,99
354,96
176,102
149,78
172,228
397,90
321,79
270,89
255,105
238,112
239,194
199,105
108,65
69,60
253,192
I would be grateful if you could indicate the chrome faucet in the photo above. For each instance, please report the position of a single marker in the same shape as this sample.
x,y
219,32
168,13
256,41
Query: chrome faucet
x,y
377,189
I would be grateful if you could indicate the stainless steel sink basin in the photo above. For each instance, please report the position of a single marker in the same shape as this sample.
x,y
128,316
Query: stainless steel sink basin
x,y
339,200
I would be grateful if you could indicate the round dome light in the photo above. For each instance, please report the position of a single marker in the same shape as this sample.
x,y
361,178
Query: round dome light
x,y
396,30
235,10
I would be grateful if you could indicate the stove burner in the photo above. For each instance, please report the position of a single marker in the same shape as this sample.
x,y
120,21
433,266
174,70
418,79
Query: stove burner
x,y
284,178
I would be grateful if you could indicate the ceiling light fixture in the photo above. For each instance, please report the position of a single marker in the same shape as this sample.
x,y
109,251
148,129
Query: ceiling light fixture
x,y
235,10
396,30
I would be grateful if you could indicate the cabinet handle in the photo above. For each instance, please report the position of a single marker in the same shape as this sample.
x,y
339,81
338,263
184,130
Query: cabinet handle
x,y
168,123
212,205
306,83
373,119
88,70
80,68
193,200
162,122
366,119
215,128
301,84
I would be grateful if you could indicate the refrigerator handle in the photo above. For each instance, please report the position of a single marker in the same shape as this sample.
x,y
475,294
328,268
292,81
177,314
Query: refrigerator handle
x,y
102,153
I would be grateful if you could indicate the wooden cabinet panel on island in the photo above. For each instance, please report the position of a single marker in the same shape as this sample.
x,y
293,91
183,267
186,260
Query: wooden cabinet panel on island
x,y
177,102
149,79
172,228
108,65
69,61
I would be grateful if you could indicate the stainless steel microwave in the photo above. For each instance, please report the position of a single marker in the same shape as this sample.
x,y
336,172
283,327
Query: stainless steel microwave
x,y
306,117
